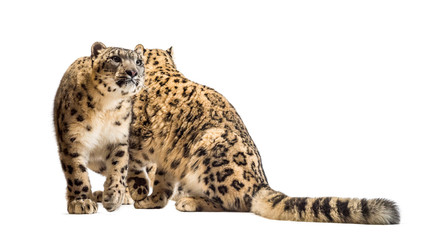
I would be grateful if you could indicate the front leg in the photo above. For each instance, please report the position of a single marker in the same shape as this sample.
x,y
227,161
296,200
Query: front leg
x,y
79,196
162,191
98,196
115,184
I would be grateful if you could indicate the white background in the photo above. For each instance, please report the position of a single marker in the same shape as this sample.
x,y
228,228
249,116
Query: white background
x,y
336,95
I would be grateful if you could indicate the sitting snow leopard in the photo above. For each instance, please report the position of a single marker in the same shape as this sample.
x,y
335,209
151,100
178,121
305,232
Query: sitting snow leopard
x,y
193,143
92,115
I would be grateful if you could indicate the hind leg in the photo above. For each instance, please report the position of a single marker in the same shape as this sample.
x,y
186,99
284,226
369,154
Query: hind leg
x,y
197,204
140,176
162,191
224,171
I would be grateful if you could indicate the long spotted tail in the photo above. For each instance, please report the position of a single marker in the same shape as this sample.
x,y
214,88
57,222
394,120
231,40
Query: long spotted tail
x,y
276,205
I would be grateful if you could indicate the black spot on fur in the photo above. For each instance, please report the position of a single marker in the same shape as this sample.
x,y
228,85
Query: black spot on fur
x,y
365,209
217,200
102,169
83,169
63,166
237,203
183,174
248,200
277,199
78,182
84,87
240,159
206,126
222,189
195,165
186,151
138,182
179,132
174,102
206,161
90,105
119,153
237,185
201,152
325,208
175,163
300,204
289,205
221,176
343,209
219,151
168,193
256,188
218,163
316,207
80,118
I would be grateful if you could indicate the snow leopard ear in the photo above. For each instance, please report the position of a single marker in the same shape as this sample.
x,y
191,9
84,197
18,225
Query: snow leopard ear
x,y
170,51
96,49
140,49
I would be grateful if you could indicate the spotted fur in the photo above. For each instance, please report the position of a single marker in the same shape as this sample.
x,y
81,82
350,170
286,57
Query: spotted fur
x,y
92,115
194,145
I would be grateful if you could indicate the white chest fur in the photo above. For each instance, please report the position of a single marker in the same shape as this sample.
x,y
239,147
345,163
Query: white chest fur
x,y
103,130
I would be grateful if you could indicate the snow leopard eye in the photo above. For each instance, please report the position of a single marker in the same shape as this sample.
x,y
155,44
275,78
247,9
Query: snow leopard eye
x,y
116,59
139,62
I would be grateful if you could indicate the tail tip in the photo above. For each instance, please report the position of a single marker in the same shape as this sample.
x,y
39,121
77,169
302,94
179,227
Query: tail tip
x,y
389,211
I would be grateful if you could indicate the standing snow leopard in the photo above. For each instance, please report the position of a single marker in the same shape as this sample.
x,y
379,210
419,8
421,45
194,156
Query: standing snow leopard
x,y
92,114
192,142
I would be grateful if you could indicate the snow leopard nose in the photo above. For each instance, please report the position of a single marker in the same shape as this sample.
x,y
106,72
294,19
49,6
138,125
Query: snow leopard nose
x,y
131,73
